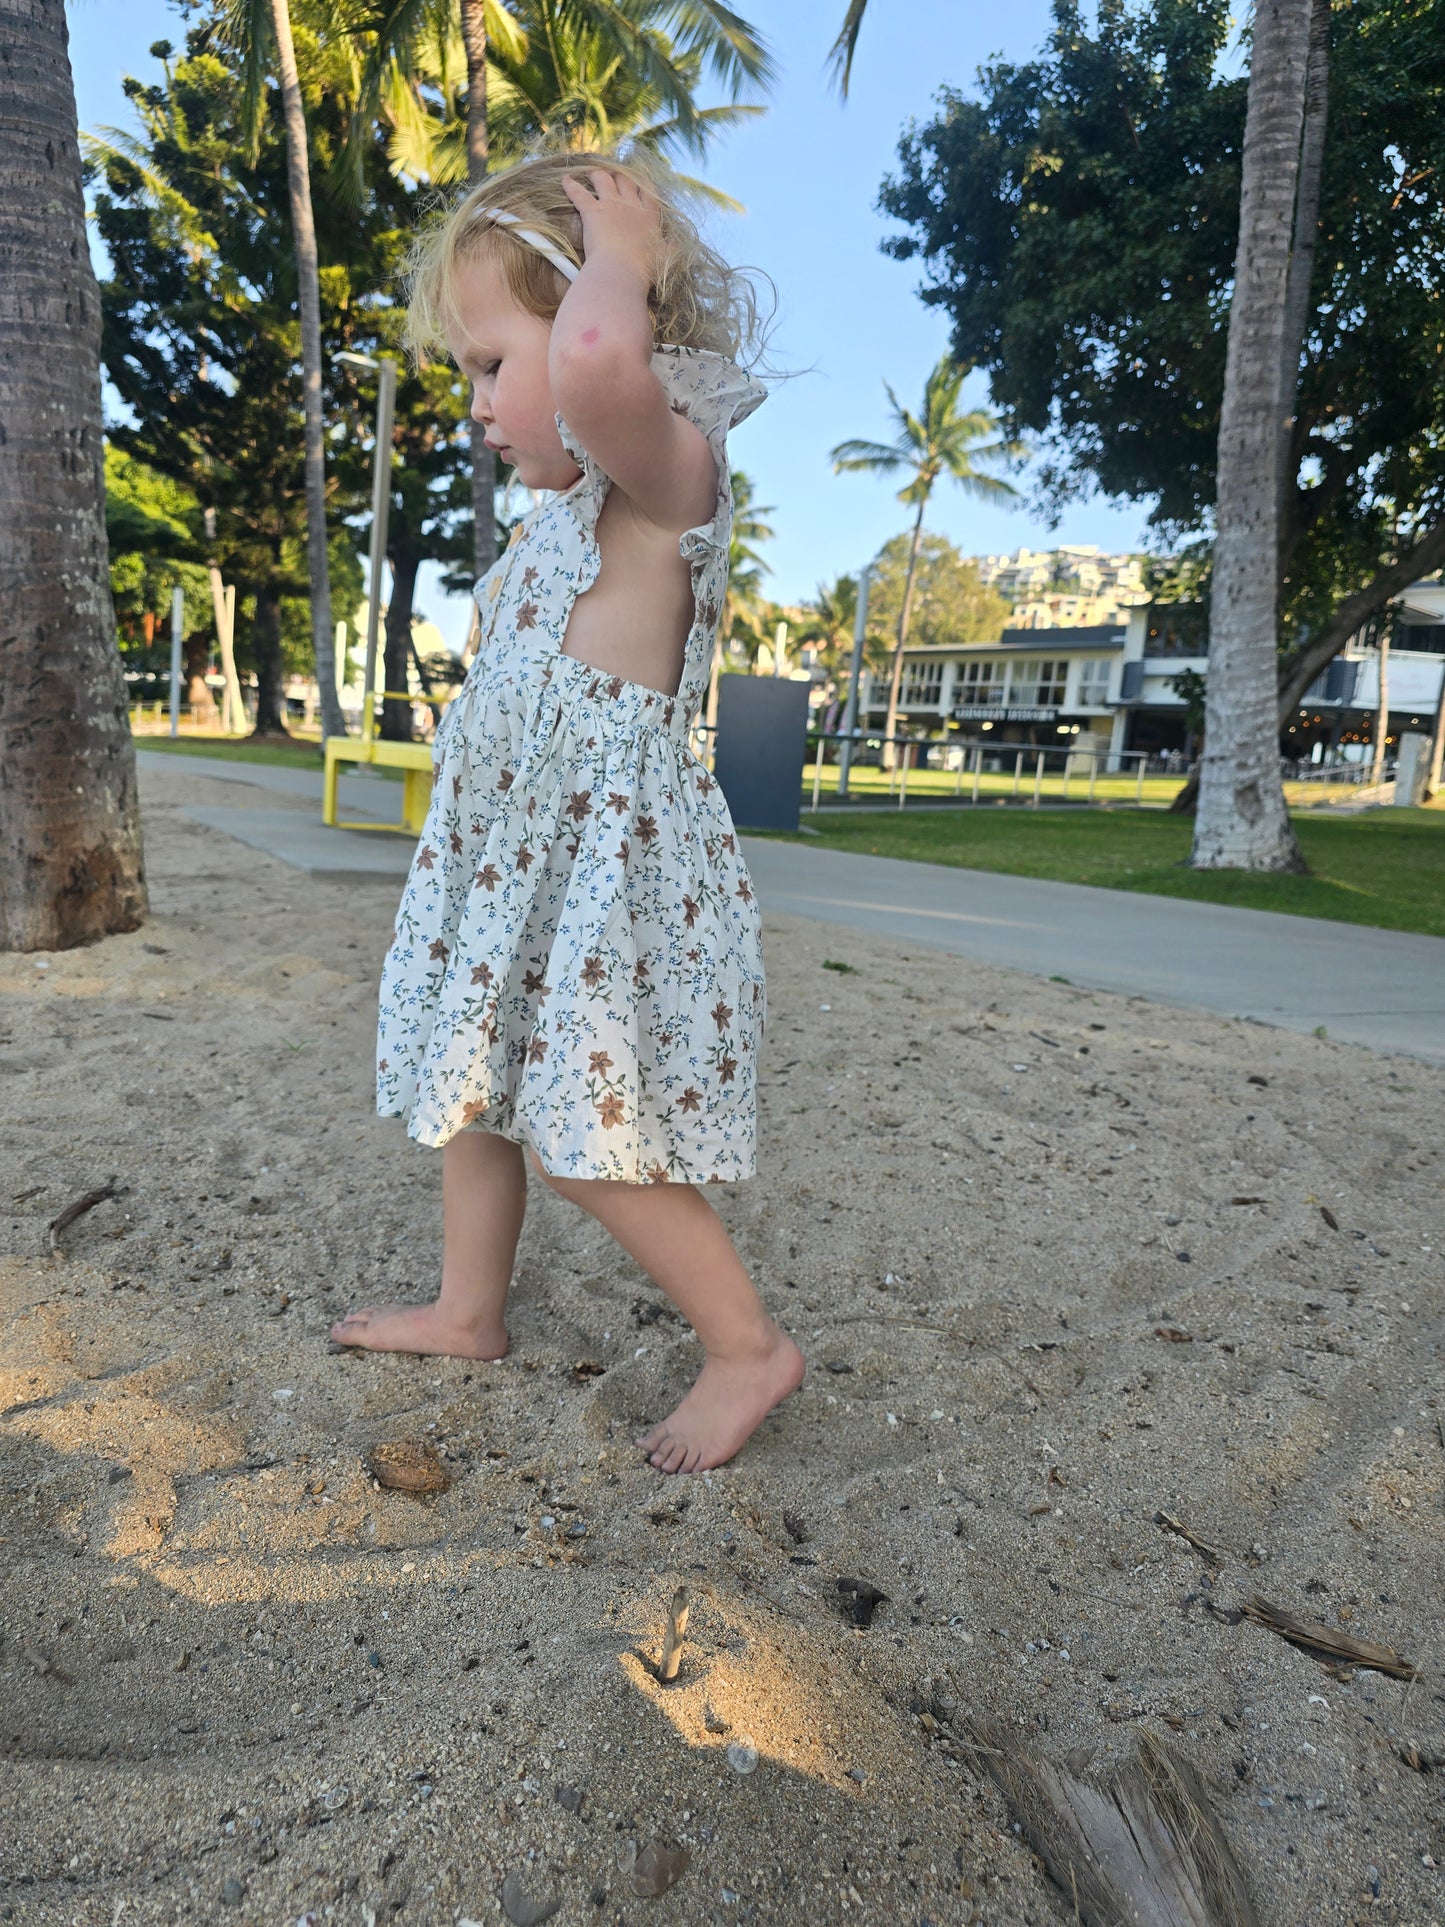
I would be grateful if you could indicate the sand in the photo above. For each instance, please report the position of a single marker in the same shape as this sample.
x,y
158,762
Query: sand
x,y
1059,1260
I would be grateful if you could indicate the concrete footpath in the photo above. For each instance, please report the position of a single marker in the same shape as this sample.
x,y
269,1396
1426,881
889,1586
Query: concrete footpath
x,y
1383,988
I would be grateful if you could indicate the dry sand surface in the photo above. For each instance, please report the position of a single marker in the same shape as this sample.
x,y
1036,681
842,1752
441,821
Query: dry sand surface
x,y
1058,1260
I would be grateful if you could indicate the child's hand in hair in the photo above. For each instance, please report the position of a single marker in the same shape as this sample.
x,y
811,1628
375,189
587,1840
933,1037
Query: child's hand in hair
x,y
619,219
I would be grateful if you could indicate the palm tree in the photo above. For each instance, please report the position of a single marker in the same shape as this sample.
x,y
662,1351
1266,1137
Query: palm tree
x,y
1242,822
840,54
70,857
939,441
744,609
572,72
259,26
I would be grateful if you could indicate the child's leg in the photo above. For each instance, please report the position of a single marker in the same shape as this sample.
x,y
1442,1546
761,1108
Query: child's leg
x,y
751,1365
484,1194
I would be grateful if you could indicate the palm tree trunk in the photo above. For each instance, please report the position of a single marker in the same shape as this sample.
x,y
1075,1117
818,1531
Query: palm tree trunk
x,y
1302,255
1437,747
484,462
70,843
1242,822
905,612
266,656
1382,710
396,716
303,228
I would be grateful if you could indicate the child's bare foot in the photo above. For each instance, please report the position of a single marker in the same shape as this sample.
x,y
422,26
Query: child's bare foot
x,y
725,1407
418,1328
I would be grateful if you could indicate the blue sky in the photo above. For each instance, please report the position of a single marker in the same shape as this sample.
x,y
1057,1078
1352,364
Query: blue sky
x,y
808,173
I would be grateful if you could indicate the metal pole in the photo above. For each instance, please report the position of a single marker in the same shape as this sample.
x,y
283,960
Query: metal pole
x,y
339,648
977,770
380,510
1093,773
903,779
1018,771
1038,778
178,620
780,641
818,771
1139,784
850,708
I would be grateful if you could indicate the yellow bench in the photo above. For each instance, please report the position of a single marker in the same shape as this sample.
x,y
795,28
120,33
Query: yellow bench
x,y
412,759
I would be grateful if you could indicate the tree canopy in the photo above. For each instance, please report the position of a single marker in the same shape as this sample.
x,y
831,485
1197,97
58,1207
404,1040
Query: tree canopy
x,y
1078,219
950,604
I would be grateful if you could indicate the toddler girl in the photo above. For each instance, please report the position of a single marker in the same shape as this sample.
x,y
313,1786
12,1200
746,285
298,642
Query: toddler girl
x,y
577,966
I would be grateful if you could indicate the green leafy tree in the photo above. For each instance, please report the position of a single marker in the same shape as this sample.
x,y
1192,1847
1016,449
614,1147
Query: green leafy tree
x,y
950,605
1078,220
154,525
200,337
941,440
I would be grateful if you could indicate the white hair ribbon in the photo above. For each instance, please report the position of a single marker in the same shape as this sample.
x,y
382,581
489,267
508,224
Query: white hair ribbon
x,y
501,218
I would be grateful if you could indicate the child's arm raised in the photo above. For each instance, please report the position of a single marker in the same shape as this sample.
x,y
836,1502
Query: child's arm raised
x,y
599,362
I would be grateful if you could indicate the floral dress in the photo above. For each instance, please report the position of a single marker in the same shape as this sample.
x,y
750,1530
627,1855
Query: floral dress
x,y
577,962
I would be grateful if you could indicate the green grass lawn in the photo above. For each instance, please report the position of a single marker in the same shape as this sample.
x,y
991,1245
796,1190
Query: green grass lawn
x,y
1387,868
296,754
299,753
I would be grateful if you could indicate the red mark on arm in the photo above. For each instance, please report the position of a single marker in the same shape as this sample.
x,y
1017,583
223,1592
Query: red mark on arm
x,y
591,335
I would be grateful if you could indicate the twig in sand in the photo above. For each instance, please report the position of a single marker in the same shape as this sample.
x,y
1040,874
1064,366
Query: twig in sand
x,y
672,1640
1329,1641
78,1210
1216,1555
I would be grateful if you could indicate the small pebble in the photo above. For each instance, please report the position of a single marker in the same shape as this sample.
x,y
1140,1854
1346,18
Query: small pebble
x,y
233,1892
742,1756
856,1773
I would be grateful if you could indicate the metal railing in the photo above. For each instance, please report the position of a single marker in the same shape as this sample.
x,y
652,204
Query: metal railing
x,y
1077,773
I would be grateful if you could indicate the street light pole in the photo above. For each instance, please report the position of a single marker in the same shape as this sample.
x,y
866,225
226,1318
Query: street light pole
x,y
850,712
380,510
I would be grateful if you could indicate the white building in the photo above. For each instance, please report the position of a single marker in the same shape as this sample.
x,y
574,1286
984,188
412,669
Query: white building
x,y
1110,688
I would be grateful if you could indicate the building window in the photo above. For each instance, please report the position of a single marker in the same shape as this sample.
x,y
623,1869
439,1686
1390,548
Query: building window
x,y
1093,682
922,685
1038,684
980,682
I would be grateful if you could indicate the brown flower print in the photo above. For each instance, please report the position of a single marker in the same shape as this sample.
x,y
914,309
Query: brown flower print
x,y
426,856
690,911
611,1110
656,1173
593,973
645,829
691,1099
527,615
506,780
437,950
727,1069
473,1109
456,843
536,1049
535,985
524,858
720,1014
482,974
598,1063
745,890
580,807
489,876
618,803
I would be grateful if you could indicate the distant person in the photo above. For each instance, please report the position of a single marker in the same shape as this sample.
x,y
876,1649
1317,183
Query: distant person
x,y
577,969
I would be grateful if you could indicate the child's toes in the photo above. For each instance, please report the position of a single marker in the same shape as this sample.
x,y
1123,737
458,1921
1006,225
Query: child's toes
x,y
650,1441
672,1457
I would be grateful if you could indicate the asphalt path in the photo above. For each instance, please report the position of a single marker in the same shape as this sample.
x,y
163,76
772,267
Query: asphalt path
x,y
1382,988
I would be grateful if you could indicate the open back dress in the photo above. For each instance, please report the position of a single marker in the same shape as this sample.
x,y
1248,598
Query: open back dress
x,y
577,960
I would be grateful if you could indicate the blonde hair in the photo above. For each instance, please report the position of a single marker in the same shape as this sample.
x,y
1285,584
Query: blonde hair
x,y
697,300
